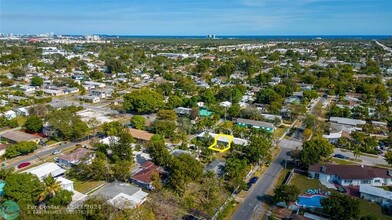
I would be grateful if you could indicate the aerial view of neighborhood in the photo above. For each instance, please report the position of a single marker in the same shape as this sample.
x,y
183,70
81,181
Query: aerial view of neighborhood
x,y
194,126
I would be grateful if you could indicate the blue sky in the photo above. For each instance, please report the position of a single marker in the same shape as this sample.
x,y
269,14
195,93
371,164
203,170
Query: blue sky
x,y
202,17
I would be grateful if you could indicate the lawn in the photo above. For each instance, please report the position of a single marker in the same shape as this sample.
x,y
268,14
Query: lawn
x,y
343,162
368,208
85,187
279,132
304,183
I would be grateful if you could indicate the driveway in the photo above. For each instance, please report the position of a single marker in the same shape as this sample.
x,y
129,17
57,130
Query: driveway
x,y
251,207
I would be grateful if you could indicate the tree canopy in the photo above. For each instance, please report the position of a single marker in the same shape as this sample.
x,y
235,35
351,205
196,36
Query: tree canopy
x,y
143,101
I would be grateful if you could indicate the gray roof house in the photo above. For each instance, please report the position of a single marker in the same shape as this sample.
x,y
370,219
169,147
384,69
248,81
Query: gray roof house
x,y
122,195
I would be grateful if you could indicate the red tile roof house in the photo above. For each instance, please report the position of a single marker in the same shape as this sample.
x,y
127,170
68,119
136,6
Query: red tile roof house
x,y
75,157
143,176
351,175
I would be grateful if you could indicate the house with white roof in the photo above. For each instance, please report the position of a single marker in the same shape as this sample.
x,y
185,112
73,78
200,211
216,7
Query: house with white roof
x,y
122,195
237,141
10,114
44,170
375,194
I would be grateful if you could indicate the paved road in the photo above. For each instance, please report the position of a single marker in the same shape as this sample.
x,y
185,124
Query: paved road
x,y
365,160
39,154
252,203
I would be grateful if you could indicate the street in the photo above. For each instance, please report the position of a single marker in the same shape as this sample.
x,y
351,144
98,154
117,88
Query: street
x,y
365,159
40,154
250,207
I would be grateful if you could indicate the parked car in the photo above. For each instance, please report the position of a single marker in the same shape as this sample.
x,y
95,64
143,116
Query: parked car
x,y
253,180
56,152
342,189
341,156
248,186
23,165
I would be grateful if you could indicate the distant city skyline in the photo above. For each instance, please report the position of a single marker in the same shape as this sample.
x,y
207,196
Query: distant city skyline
x,y
202,17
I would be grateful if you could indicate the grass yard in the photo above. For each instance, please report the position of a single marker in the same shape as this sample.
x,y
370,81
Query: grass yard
x,y
368,208
343,162
304,183
279,132
21,120
84,187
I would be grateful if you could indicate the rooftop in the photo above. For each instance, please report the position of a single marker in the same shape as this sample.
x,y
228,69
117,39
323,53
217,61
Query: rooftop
x,y
351,172
45,169
140,134
18,136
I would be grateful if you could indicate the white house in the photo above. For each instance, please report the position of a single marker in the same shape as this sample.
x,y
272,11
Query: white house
x,y
351,175
76,157
44,170
65,183
10,114
22,111
375,194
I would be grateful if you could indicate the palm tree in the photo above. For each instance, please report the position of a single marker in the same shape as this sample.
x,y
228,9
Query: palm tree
x,y
51,188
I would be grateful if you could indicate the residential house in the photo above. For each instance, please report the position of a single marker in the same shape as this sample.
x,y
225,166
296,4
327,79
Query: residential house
x,y
76,157
92,99
140,135
217,167
71,90
255,124
143,176
237,141
22,111
10,114
44,170
351,175
65,184
347,121
333,137
122,195
3,103
53,92
3,147
19,136
95,84
375,194
181,111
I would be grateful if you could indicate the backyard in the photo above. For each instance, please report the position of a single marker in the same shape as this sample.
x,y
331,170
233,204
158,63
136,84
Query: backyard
x,y
366,208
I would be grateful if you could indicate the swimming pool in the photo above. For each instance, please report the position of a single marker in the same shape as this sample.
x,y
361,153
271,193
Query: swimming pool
x,y
2,184
310,201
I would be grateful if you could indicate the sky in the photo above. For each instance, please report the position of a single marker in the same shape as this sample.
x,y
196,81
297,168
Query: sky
x,y
201,17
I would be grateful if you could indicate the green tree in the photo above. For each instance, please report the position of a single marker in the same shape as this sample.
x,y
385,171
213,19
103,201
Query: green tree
x,y
112,128
156,182
51,187
158,151
23,187
143,101
267,96
341,207
122,170
34,124
314,150
286,193
388,157
37,81
184,169
21,148
67,124
258,148
138,122
62,198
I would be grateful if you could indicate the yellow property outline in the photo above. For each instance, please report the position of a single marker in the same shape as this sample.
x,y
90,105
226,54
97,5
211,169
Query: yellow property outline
x,y
212,147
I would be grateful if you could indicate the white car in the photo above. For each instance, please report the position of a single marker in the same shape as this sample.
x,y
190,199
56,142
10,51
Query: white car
x,y
56,152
